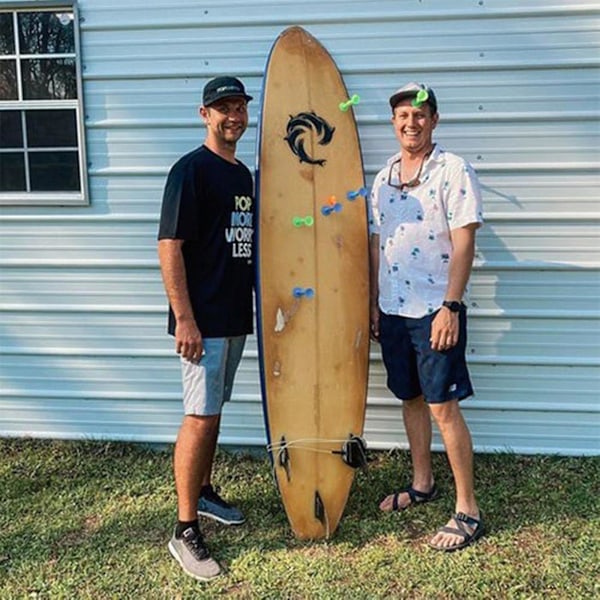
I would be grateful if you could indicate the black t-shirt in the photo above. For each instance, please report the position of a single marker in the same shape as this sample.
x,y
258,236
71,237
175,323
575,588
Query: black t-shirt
x,y
208,203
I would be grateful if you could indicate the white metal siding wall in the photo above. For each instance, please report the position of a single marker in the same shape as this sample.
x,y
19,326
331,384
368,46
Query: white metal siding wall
x,y
82,314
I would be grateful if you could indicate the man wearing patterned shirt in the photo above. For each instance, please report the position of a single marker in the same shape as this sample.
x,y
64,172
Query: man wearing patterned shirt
x,y
425,209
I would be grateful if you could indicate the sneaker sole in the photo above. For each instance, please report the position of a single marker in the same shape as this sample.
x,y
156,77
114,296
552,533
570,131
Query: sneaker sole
x,y
214,517
185,570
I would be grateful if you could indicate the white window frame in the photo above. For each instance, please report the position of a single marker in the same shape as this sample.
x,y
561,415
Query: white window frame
x,y
49,198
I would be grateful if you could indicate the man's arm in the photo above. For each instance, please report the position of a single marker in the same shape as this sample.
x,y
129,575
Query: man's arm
x,y
444,328
188,339
374,284
461,263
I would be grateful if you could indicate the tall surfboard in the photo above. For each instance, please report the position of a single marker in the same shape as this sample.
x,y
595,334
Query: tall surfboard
x,y
312,282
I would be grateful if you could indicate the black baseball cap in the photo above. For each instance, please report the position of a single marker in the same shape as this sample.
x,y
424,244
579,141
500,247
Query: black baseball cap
x,y
223,87
410,90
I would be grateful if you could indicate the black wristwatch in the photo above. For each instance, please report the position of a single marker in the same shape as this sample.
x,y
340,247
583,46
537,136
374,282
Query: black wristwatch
x,y
452,305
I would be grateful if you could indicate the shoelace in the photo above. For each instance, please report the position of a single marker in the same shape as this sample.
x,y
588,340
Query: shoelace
x,y
197,547
212,495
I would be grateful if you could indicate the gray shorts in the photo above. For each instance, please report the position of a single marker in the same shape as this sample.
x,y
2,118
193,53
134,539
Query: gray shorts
x,y
208,384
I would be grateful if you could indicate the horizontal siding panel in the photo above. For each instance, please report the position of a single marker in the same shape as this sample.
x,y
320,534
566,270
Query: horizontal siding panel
x,y
561,193
574,242
209,14
125,332
564,339
542,93
514,387
83,375
480,143
98,419
88,287
506,293
512,290
467,45
521,431
499,142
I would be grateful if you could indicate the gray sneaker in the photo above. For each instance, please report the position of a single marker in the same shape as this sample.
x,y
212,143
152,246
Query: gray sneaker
x,y
193,556
211,505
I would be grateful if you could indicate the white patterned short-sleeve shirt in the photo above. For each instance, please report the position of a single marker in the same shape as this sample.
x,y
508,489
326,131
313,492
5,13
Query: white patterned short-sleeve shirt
x,y
414,230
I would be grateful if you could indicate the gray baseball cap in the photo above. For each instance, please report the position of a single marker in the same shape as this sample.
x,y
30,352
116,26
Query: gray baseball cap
x,y
410,90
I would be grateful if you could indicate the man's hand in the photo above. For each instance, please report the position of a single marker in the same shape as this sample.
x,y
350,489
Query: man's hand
x,y
444,330
188,340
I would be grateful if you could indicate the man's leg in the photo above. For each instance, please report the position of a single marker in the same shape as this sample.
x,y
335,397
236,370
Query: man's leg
x,y
210,453
192,460
417,422
224,355
194,452
459,448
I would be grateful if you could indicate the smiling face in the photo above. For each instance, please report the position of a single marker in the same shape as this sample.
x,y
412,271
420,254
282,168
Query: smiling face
x,y
414,126
226,120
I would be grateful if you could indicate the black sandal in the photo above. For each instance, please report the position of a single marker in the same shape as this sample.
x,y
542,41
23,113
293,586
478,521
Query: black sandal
x,y
416,497
468,537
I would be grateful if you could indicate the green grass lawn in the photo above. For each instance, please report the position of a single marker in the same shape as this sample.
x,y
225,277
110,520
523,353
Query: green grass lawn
x,y
92,520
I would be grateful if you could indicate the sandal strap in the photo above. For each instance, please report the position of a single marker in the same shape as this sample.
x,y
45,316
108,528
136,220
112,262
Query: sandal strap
x,y
461,517
417,496
463,521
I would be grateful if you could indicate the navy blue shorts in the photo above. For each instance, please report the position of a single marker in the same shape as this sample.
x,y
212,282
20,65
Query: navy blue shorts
x,y
414,369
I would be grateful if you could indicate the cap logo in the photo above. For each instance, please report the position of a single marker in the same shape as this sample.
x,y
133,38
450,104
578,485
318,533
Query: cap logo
x,y
226,88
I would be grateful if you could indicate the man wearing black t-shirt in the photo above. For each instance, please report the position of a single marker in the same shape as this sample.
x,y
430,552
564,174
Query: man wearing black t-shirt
x,y
205,252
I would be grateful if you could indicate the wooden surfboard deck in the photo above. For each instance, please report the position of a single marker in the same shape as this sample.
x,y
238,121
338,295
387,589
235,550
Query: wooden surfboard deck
x,y
312,281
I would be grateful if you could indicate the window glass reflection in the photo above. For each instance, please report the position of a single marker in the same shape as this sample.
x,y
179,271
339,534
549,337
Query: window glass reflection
x,y
49,79
51,128
8,80
12,172
11,134
46,33
54,171
7,37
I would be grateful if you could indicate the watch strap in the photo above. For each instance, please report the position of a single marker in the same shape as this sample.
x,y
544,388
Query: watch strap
x,y
452,305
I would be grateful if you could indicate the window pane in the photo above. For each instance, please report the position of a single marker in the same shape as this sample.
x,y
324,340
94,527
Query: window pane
x,y
51,128
46,33
49,79
8,80
7,38
54,171
11,134
12,172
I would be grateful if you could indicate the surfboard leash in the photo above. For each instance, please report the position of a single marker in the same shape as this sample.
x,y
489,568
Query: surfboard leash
x,y
353,450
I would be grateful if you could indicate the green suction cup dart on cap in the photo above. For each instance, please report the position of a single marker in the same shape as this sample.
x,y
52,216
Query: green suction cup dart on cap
x,y
422,97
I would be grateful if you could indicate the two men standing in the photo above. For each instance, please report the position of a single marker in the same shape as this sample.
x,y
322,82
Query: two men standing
x,y
425,208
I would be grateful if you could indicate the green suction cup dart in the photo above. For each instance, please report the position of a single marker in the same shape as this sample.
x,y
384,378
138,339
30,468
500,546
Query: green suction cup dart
x,y
422,97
